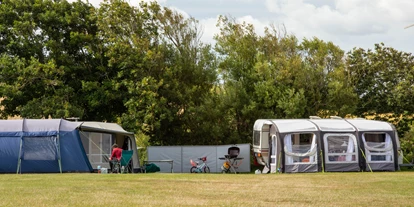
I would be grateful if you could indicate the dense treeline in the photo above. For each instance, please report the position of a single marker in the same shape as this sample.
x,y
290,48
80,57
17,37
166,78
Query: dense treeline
x,y
146,68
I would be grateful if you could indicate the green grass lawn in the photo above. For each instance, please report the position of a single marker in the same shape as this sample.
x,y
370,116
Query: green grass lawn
x,y
158,189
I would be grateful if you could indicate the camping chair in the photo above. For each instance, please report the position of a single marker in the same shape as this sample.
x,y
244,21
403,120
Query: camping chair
x,y
126,161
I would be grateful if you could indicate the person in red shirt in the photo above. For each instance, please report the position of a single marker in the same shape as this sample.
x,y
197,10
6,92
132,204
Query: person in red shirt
x,y
115,156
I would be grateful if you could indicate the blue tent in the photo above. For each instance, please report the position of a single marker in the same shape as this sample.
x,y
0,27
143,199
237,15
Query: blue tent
x,y
57,145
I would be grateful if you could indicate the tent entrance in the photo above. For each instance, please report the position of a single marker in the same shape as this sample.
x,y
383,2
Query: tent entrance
x,y
38,154
379,151
341,152
97,147
300,152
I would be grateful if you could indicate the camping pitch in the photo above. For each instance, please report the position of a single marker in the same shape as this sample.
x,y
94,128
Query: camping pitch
x,y
57,145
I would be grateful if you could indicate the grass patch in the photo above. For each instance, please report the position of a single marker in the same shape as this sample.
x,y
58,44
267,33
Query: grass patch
x,y
314,189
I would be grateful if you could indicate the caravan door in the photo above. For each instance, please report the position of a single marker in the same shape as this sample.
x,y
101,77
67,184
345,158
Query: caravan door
x,y
261,142
273,154
261,146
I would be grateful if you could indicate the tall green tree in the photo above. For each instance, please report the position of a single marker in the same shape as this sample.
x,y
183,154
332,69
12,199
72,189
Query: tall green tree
x,y
276,76
327,86
237,48
383,81
163,70
56,61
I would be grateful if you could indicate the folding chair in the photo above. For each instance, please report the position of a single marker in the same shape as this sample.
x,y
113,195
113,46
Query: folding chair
x,y
126,165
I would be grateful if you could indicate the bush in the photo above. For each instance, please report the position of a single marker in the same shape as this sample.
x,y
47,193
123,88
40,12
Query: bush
x,y
407,145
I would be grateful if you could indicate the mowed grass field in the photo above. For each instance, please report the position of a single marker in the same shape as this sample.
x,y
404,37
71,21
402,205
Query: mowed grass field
x,y
158,189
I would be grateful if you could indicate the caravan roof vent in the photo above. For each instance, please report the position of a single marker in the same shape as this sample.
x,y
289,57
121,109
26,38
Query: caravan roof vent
x,y
73,119
336,117
314,117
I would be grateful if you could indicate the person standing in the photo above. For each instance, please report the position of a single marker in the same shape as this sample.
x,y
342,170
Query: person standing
x,y
115,157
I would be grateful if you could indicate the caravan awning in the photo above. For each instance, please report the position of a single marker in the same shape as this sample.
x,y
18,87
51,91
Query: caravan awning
x,y
370,125
103,127
334,125
294,125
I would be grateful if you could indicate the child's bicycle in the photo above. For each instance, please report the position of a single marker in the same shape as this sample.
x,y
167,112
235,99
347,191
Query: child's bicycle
x,y
199,168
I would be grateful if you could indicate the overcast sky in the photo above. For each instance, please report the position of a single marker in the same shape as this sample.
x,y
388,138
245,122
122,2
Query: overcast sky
x,y
347,23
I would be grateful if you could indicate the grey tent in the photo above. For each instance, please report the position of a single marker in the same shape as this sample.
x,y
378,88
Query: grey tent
x,y
312,145
340,145
380,144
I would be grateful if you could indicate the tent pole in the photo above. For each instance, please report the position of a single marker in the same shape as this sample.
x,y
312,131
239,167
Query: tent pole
x,y
278,170
58,147
363,154
19,161
59,158
322,163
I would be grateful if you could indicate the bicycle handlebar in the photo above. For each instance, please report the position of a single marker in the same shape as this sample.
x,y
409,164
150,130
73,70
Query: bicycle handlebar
x,y
202,159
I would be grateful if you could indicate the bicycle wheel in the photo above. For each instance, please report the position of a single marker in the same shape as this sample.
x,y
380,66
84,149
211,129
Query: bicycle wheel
x,y
193,169
206,169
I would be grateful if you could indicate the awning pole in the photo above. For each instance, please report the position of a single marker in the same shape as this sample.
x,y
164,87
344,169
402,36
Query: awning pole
x,y
363,154
278,170
58,147
19,161
322,163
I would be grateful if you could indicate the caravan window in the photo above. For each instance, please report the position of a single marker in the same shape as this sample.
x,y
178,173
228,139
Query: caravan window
x,y
378,147
340,148
300,148
256,138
